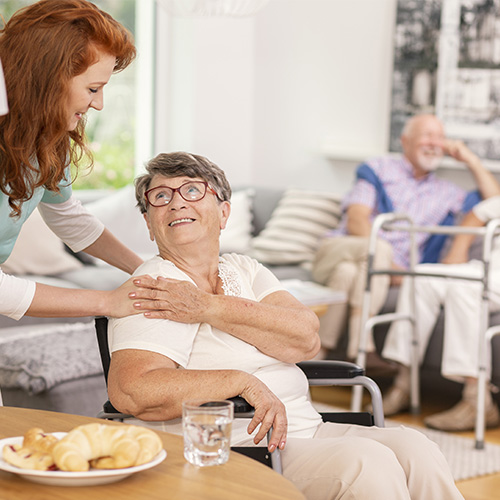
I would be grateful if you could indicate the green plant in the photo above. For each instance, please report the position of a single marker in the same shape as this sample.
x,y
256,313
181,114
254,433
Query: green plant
x,y
113,165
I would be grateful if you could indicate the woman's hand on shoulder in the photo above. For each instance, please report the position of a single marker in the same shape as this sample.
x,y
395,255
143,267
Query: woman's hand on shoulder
x,y
121,301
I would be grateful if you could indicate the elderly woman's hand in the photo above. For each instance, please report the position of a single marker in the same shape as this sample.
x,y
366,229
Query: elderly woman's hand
x,y
269,411
171,299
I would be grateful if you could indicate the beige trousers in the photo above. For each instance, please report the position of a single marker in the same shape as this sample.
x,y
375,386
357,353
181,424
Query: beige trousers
x,y
352,462
341,264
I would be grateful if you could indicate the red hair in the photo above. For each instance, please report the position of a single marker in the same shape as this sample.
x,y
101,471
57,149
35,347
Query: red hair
x,y
42,47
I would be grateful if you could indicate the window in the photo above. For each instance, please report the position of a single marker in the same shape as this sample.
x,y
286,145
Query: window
x,y
111,132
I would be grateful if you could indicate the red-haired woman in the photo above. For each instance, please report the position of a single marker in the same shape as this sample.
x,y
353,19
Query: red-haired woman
x,y
57,56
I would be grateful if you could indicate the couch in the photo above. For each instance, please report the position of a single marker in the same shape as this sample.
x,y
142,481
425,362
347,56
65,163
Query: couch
x,y
54,364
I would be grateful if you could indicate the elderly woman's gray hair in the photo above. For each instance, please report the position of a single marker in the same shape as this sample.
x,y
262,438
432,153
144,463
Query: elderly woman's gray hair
x,y
181,164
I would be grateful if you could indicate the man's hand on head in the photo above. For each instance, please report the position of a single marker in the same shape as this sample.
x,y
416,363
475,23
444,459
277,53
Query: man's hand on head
x,y
459,151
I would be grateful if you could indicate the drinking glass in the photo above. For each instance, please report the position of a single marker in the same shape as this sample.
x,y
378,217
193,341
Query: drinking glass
x,y
207,431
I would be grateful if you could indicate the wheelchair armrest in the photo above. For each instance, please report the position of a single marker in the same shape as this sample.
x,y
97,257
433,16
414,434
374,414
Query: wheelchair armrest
x,y
109,412
240,406
330,369
109,408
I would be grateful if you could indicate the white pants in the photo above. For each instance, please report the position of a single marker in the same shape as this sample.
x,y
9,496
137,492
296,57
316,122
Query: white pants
x,y
462,318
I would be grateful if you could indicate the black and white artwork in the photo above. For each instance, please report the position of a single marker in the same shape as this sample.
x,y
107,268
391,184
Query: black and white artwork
x,y
447,62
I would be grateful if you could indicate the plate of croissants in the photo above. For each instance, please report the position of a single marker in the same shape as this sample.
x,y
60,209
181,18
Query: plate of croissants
x,y
89,454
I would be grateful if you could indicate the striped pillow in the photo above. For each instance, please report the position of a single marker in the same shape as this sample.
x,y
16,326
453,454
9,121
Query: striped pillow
x,y
292,234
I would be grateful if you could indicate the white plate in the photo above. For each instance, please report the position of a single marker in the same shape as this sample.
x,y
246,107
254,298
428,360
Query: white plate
x,y
60,478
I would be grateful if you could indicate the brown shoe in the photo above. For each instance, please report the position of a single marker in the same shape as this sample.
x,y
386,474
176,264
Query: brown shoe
x,y
462,417
396,400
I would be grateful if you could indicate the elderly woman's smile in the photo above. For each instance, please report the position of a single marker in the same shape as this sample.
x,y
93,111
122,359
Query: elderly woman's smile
x,y
181,221
183,210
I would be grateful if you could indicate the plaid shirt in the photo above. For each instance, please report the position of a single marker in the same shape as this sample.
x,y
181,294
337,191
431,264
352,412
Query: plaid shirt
x,y
426,201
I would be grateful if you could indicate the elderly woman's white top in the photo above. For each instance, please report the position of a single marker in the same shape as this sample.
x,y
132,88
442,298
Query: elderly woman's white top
x,y
202,347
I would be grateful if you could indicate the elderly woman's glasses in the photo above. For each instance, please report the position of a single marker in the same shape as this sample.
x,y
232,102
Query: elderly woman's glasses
x,y
190,191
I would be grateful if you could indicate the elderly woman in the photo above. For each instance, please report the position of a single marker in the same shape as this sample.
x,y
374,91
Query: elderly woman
x,y
234,330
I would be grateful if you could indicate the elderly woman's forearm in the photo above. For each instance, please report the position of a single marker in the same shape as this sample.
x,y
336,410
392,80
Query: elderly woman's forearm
x,y
289,334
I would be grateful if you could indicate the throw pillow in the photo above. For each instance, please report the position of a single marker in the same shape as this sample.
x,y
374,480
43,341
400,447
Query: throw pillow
x,y
119,213
39,251
237,235
292,234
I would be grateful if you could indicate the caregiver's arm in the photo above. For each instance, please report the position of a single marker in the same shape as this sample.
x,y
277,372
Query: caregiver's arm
x,y
109,249
50,301
149,386
82,231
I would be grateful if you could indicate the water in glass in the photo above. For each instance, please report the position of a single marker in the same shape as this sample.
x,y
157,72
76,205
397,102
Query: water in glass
x,y
207,439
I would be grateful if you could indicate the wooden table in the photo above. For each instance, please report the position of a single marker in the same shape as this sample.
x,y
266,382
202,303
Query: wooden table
x,y
174,478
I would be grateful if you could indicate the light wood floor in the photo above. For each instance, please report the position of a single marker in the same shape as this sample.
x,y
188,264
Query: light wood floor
x,y
482,488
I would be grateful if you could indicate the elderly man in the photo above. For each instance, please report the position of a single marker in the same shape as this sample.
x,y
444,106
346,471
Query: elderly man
x,y
404,184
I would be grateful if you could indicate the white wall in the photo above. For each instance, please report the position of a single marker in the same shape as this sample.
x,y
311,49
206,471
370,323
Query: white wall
x,y
261,96
209,82
265,96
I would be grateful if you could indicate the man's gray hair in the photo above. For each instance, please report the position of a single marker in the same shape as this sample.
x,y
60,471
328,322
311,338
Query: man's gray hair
x,y
410,123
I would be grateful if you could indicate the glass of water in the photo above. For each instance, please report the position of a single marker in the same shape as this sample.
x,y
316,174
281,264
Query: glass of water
x,y
207,431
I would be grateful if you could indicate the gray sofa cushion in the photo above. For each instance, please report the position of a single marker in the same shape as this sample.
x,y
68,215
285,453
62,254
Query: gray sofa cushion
x,y
293,233
97,277
37,358
265,201
83,396
291,272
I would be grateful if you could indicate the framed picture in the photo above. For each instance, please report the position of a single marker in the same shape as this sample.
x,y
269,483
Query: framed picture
x,y
447,62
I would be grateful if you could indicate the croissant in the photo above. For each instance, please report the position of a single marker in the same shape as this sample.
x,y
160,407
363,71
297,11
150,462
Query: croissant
x,y
34,453
27,458
106,446
37,440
